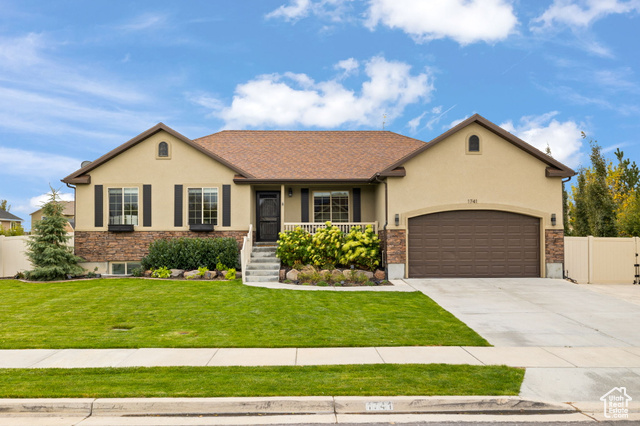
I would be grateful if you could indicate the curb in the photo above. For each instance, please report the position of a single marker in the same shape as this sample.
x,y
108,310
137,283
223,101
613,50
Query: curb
x,y
135,407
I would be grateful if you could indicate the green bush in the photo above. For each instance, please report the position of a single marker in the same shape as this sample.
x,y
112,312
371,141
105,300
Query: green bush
x,y
293,247
192,253
326,245
161,272
329,247
231,274
361,249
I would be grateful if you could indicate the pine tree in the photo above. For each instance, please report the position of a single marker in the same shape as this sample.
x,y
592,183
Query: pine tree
x,y
48,250
601,208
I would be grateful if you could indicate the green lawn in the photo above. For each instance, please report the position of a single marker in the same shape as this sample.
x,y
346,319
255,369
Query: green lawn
x,y
381,380
136,313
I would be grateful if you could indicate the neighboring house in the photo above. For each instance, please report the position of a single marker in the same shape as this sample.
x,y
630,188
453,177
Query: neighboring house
x,y
9,220
68,213
474,202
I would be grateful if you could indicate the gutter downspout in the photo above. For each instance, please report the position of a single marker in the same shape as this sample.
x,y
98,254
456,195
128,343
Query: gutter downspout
x,y
386,219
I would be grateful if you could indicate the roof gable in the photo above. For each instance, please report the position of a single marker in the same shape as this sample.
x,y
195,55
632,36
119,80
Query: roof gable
x,y
80,176
554,169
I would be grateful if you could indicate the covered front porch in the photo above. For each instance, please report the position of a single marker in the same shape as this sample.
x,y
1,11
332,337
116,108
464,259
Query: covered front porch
x,y
309,206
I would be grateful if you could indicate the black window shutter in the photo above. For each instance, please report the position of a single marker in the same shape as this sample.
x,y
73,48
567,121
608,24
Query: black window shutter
x,y
226,205
177,212
98,206
146,205
356,205
304,207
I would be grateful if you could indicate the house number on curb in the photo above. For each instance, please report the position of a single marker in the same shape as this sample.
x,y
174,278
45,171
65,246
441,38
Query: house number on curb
x,y
380,406
472,201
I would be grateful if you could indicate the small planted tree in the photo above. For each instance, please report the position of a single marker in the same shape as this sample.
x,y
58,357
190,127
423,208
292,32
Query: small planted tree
x,y
47,247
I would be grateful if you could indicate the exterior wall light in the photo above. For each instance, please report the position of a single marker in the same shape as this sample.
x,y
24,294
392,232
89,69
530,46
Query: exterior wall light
x,y
397,219
553,219
290,192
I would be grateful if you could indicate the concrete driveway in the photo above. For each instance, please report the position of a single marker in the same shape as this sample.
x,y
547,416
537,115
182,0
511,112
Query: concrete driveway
x,y
549,316
538,311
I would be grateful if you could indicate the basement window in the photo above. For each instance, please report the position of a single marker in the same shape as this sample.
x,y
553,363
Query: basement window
x,y
123,268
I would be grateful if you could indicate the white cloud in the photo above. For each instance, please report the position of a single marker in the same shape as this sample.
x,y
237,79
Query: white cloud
x,y
348,66
37,202
581,13
144,22
332,10
297,9
32,164
465,21
287,100
564,138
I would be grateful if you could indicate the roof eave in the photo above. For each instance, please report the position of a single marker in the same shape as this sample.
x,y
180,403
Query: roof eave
x,y
244,180
142,136
477,118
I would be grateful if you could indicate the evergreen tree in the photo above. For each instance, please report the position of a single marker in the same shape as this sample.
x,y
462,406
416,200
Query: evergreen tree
x,y
48,250
601,208
4,206
580,216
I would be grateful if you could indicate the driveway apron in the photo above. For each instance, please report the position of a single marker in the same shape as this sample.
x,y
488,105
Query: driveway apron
x,y
536,311
554,316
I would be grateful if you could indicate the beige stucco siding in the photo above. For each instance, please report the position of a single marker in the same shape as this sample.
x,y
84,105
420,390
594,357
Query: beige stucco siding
x,y
501,177
139,166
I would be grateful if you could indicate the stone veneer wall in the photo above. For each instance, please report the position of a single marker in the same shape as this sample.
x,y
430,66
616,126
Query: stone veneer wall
x,y
103,246
554,245
394,244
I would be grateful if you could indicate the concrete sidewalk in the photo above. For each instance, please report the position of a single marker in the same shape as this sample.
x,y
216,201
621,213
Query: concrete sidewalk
x,y
527,357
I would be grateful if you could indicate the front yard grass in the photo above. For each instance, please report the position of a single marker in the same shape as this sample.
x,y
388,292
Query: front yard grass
x,y
137,313
332,380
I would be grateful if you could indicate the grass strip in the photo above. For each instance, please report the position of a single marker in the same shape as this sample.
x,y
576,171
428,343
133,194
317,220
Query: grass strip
x,y
137,313
334,380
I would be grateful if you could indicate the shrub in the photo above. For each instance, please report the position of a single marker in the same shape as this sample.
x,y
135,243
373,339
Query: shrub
x,y
231,274
326,245
137,272
293,247
202,270
192,253
361,249
162,272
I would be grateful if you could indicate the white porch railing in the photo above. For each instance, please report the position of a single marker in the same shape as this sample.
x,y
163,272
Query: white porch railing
x,y
245,253
344,226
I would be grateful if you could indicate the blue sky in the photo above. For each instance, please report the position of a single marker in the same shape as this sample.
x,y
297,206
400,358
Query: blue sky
x,y
78,78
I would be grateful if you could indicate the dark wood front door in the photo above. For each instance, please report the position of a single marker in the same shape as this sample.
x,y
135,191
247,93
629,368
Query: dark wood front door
x,y
268,215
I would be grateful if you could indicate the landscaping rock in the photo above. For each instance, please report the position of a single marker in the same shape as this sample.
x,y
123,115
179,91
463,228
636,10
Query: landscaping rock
x,y
147,273
177,273
192,274
367,274
336,272
283,274
293,275
347,273
210,275
324,271
238,274
380,275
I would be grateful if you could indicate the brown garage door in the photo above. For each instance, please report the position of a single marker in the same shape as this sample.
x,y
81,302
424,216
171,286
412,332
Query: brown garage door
x,y
474,243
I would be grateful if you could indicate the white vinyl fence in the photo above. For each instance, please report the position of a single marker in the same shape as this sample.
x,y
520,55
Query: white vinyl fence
x,y
12,255
596,260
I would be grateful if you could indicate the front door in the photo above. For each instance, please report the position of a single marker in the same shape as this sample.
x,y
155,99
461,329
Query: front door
x,y
268,215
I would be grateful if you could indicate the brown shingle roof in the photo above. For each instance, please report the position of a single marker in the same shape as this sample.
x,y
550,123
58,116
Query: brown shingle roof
x,y
310,155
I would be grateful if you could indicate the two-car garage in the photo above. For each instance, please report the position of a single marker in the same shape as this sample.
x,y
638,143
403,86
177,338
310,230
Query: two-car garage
x,y
474,243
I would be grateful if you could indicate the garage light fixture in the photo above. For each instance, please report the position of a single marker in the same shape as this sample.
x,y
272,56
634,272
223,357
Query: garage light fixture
x,y
553,219
290,192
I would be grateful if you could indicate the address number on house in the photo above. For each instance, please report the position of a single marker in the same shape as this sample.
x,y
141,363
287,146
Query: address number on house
x,y
472,200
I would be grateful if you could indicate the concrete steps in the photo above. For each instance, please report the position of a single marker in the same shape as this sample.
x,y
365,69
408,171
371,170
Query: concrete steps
x,y
263,266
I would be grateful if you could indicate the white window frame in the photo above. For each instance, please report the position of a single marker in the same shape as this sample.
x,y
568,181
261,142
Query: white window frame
x,y
129,266
331,212
214,219
133,219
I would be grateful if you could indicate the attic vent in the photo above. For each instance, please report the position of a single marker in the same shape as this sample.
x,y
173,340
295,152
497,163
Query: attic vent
x,y
85,163
474,143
